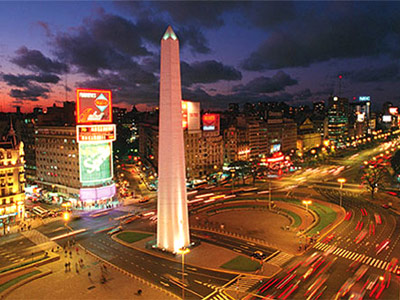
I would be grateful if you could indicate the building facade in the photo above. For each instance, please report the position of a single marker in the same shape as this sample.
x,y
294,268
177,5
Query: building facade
x,y
12,182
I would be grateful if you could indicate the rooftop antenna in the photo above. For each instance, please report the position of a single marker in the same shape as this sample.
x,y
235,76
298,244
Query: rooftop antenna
x,y
340,85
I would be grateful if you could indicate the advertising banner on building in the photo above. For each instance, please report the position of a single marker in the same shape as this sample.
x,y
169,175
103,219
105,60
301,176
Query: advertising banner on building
x,y
93,106
211,122
95,162
96,133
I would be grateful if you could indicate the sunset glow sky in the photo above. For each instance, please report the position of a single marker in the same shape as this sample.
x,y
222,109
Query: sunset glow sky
x,y
230,51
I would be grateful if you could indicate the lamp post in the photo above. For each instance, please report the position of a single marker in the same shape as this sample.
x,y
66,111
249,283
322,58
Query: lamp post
x,y
307,203
269,194
341,181
182,251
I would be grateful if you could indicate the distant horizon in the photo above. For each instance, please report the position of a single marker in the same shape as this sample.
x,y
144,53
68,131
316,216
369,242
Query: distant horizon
x,y
230,52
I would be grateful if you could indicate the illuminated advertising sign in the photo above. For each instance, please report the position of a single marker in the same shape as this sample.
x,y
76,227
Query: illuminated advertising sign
x,y
190,115
275,148
95,133
387,118
211,122
394,110
93,106
99,193
360,117
364,98
184,115
95,162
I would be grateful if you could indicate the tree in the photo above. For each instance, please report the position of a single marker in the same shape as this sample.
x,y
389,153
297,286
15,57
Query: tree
x,y
374,175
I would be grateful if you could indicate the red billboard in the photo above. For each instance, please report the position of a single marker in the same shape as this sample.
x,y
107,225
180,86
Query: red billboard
x,y
93,106
211,122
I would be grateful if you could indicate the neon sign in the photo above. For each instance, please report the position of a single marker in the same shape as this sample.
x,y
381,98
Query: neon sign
x,y
93,106
96,133
364,98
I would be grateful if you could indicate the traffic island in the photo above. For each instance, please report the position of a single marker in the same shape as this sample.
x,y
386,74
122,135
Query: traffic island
x,y
242,264
131,237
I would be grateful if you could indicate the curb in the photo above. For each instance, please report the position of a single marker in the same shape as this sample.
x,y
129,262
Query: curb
x,y
153,286
23,282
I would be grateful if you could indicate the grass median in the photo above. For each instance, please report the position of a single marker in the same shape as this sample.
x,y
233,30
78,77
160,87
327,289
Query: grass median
x,y
14,281
241,263
131,237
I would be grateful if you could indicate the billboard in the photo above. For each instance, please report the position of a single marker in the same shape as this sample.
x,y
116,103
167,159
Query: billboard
x,y
394,110
93,106
387,118
360,117
95,162
211,122
190,115
275,148
99,193
96,133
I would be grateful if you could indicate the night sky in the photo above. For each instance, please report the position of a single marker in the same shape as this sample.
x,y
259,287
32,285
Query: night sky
x,y
230,51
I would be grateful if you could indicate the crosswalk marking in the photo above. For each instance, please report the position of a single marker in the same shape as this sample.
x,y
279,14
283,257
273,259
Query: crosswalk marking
x,y
374,262
280,259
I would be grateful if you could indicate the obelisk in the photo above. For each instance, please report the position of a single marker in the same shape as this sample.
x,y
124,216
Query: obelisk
x,y
172,211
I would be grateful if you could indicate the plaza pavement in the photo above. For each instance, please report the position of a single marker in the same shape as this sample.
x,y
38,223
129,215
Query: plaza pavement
x,y
72,285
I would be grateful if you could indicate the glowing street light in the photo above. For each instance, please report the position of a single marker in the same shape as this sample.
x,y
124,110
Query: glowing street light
x,y
66,216
307,203
341,181
183,251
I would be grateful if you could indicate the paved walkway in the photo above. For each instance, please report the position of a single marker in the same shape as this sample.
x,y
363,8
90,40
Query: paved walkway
x,y
72,285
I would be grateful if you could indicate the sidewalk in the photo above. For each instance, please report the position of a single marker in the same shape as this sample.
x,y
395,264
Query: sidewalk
x,y
62,284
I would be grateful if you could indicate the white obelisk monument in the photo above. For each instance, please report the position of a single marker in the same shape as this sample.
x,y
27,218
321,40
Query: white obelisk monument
x,y
172,211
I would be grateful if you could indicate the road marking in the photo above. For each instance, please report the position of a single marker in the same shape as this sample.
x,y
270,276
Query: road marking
x,y
353,255
384,265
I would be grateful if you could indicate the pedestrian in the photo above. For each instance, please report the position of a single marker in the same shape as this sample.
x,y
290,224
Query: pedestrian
x,y
77,268
65,253
69,266
65,265
77,250
139,292
105,268
89,274
70,254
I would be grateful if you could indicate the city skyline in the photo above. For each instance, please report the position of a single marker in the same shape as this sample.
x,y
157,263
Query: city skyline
x,y
231,52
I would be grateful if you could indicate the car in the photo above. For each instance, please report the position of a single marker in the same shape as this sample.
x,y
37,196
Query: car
x,y
259,255
385,206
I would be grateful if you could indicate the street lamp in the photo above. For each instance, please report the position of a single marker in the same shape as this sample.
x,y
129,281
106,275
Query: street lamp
x,y
341,181
183,251
307,203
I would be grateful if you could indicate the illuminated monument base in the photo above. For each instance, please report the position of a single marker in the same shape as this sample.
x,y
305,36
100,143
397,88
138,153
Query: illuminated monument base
x,y
172,223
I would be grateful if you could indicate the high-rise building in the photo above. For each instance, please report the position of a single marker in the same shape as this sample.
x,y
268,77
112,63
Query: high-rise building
x,y
12,181
172,210
338,117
